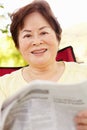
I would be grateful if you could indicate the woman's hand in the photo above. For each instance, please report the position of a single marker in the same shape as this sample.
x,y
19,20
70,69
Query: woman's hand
x,y
81,120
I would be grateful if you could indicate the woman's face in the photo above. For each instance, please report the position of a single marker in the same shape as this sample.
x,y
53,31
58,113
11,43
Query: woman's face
x,y
37,40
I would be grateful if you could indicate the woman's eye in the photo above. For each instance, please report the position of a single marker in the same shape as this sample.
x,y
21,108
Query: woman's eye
x,y
27,36
43,33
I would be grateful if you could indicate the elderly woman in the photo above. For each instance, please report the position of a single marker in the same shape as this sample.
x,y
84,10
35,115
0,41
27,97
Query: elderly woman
x,y
37,34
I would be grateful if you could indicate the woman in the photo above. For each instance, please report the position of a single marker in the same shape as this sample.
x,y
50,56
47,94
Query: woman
x,y
37,34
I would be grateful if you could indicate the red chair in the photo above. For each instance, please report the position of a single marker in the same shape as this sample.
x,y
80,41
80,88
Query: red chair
x,y
65,54
7,70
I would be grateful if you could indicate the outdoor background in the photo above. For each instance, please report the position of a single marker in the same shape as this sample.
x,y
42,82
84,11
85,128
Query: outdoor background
x,y
72,17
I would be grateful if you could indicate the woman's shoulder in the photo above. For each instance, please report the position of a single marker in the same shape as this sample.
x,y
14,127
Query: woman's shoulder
x,y
11,83
76,65
74,72
76,68
11,75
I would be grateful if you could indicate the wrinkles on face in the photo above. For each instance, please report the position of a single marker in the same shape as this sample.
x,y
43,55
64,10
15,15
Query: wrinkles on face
x,y
37,40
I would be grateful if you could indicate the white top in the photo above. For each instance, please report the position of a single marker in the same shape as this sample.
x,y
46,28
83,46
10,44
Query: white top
x,y
11,83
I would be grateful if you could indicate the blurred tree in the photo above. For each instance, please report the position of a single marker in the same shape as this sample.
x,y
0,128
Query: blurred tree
x,y
9,55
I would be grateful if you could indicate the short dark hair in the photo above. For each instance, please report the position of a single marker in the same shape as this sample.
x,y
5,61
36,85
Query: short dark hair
x,y
40,6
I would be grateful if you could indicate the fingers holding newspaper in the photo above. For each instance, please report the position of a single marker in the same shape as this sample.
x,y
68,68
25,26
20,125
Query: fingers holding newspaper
x,y
81,120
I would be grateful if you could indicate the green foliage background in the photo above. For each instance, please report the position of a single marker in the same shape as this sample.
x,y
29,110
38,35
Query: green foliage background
x,y
9,55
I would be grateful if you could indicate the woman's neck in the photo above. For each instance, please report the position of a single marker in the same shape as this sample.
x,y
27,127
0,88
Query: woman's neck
x,y
51,72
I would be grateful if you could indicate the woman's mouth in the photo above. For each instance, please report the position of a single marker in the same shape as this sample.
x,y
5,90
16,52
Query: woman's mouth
x,y
39,51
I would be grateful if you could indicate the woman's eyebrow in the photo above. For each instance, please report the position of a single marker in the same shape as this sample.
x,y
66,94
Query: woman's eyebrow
x,y
43,27
26,30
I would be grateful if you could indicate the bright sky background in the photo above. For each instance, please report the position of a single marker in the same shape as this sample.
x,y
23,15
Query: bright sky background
x,y
68,12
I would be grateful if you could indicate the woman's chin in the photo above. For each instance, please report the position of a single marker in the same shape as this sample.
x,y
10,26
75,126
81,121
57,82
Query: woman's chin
x,y
40,61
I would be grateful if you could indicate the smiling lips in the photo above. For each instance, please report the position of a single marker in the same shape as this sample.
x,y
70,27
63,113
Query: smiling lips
x,y
39,51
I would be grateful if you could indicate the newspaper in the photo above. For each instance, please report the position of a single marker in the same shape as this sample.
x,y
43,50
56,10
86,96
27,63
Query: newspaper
x,y
44,105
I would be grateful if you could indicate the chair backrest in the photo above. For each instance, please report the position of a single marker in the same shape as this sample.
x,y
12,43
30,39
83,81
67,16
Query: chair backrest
x,y
65,54
7,70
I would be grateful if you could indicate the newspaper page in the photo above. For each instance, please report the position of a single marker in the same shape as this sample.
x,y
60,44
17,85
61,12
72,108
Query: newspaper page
x,y
44,105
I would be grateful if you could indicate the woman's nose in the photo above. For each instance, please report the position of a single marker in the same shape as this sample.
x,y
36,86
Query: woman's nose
x,y
36,40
